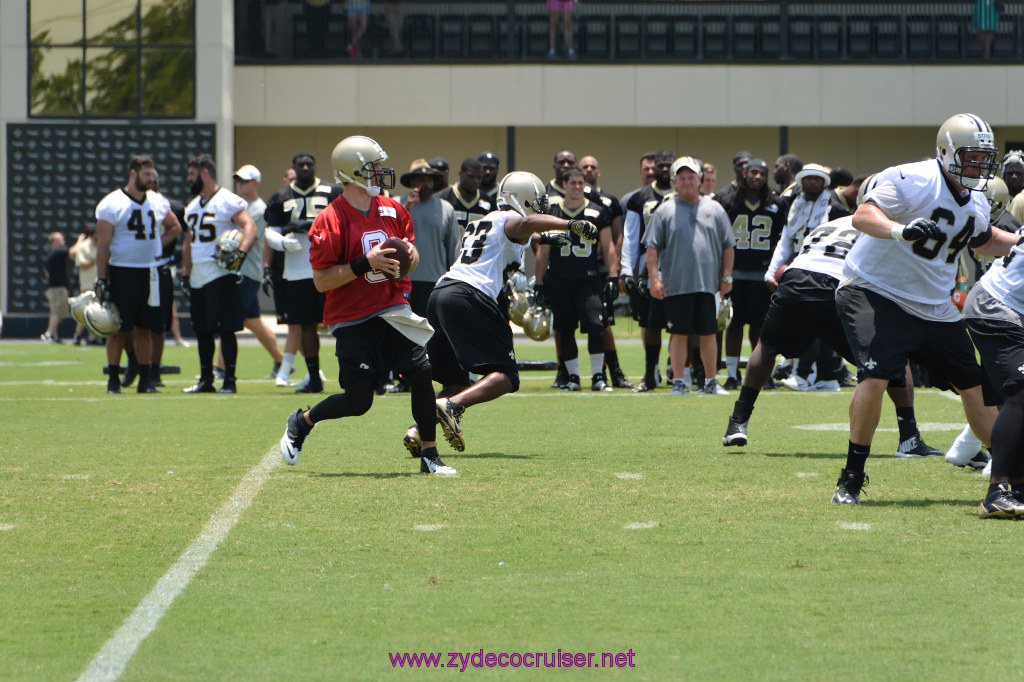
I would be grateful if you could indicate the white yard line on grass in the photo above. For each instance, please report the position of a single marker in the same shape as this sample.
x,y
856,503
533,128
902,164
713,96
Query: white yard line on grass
x,y
113,658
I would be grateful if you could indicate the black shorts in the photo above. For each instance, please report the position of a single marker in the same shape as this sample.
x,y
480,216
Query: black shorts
x,y
470,335
250,291
998,333
883,336
301,302
217,307
372,347
576,303
750,301
419,296
686,314
129,291
166,296
802,310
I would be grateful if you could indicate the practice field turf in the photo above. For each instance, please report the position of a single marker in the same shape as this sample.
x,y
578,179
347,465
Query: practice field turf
x,y
579,523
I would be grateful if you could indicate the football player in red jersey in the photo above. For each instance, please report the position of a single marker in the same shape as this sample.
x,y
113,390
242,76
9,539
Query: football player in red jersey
x,y
366,307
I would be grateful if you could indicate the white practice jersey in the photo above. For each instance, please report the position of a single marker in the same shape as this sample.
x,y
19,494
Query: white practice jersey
x,y
137,231
486,252
919,272
1005,279
207,222
825,248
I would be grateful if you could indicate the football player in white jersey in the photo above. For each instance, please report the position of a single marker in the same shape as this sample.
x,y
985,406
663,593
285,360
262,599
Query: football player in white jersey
x,y
471,334
894,302
129,242
212,287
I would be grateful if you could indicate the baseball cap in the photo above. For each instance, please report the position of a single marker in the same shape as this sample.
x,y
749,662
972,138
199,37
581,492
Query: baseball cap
x,y
742,155
248,172
439,163
686,162
488,156
757,163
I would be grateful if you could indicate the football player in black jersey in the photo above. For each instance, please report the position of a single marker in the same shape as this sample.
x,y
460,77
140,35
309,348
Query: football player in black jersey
x,y
592,174
739,163
569,278
633,263
465,196
489,163
757,222
289,215
564,161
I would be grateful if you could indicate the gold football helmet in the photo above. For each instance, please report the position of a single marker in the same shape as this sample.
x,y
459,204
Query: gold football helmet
x,y
960,135
355,160
998,195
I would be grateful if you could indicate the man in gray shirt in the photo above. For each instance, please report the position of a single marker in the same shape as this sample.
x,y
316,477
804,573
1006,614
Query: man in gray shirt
x,y
690,250
437,232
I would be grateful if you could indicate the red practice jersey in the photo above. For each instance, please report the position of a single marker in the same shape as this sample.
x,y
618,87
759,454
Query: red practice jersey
x,y
340,234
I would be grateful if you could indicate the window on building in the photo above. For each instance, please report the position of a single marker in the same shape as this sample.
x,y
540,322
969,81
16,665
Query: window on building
x,y
112,58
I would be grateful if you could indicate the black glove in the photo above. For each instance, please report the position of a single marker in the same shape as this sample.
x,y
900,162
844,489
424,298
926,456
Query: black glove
x,y
102,289
186,288
917,230
297,226
554,238
538,296
584,229
630,284
234,262
611,289
268,281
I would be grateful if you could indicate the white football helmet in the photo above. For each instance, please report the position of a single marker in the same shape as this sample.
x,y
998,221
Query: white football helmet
x,y
354,162
967,133
102,319
523,192
227,246
998,195
537,323
79,303
518,281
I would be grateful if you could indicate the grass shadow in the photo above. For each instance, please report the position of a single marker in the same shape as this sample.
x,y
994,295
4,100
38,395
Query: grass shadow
x,y
806,455
349,474
926,502
490,455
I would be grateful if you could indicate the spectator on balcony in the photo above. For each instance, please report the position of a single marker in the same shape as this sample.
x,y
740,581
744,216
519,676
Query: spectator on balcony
x,y
393,15
984,22
358,13
560,10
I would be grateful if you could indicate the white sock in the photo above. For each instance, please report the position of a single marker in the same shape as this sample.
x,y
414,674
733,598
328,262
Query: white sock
x,y
688,375
596,363
573,366
732,365
287,363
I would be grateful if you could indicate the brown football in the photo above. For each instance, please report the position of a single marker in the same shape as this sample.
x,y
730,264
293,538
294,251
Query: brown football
x,y
401,254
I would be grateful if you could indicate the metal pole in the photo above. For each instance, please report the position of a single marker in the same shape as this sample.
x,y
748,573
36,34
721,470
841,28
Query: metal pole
x,y
783,140
510,148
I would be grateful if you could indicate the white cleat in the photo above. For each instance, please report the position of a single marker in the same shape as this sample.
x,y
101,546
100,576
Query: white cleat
x,y
795,382
967,450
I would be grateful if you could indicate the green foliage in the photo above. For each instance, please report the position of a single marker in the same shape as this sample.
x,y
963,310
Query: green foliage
x,y
740,569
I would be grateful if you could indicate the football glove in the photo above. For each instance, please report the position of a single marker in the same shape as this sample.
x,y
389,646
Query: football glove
x,y
611,289
297,226
268,281
186,288
102,289
234,261
917,230
539,298
291,244
584,229
554,238
630,284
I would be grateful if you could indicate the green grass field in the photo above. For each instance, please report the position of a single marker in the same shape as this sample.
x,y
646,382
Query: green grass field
x,y
581,523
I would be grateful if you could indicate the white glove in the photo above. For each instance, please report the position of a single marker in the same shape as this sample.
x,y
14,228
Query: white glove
x,y
291,244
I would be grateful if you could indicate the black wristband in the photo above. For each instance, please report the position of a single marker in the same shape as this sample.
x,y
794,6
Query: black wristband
x,y
360,266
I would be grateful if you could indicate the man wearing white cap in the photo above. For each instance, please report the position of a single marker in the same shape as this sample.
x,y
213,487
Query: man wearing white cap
x,y
690,251
247,185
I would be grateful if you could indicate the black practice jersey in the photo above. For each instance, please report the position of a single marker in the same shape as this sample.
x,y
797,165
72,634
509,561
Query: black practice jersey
x,y
757,226
467,210
609,201
293,206
578,259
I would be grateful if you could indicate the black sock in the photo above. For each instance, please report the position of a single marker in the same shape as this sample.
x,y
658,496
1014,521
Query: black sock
x,y
143,375
132,362
856,456
429,453
611,358
744,406
112,374
313,364
154,372
651,353
907,422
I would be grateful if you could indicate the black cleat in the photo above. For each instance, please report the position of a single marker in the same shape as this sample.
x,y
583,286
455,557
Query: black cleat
x,y
916,447
294,436
113,386
146,388
599,383
1002,504
311,388
619,380
573,384
130,372
204,386
731,384
646,384
436,466
770,385
448,416
735,433
228,386
561,378
848,487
